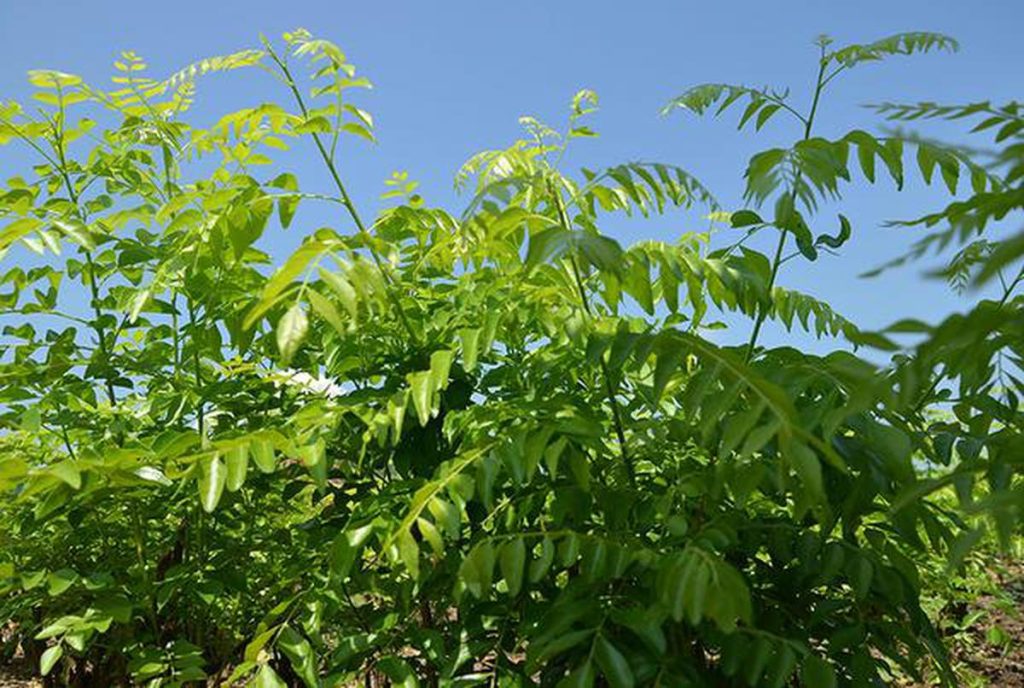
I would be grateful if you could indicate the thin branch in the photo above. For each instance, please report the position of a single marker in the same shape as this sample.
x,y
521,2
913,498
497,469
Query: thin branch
x,y
605,373
346,200
784,233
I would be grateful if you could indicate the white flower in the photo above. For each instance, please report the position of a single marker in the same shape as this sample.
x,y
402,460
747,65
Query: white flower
x,y
321,385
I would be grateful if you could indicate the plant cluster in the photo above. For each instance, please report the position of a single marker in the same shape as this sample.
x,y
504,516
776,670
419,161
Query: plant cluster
x,y
495,447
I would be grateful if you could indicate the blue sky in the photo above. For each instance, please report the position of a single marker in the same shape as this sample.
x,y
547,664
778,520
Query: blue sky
x,y
453,77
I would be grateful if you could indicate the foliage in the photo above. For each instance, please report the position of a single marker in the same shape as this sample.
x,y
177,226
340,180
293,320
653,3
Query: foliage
x,y
489,447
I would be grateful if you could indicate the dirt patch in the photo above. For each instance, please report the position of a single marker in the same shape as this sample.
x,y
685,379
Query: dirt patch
x,y
17,674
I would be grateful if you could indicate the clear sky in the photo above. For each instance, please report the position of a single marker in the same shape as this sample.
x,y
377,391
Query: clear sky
x,y
452,77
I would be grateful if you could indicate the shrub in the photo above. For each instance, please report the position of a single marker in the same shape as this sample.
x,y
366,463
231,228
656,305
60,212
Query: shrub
x,y
494,447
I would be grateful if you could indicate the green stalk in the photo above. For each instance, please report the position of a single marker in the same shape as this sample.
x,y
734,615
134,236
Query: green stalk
x,y
346,200
58,133
197,369
609,388
762,314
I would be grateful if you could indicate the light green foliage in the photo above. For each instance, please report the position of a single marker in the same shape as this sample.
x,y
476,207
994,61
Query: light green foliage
x,y
488,447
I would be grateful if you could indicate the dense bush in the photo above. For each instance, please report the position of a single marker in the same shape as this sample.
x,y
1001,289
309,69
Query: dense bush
x,y
487,448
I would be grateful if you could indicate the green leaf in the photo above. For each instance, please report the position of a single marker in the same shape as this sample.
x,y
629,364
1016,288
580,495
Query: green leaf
x,y
255,646
314,125
440,368
346,548
582,676
431,535
263,455
546,246
604,253
839,239
268,678
961,547
300,654
288,204
59,581
49,78
477,569
18,229
291,330
470,340
745,218
861,574
559,645
283,278
49,659
409,552
756,660
817,672
326,310
613,664
236,462
398,671
539,567
212,477
807,466
359,130
69,472
314,458
669,358
422,394
781,667
31,420
343,288
512,562
765,114
897,44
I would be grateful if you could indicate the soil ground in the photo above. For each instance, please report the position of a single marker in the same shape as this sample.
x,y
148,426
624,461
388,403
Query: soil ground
x,y
17,675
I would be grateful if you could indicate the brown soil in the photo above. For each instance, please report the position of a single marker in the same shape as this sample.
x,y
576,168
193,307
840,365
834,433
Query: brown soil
x,y
17,675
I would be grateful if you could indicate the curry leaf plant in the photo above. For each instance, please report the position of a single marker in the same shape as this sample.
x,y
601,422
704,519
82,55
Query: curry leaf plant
x,y
485,447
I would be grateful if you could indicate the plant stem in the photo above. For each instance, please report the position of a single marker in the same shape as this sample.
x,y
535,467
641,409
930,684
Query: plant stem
x,y
140,546
67,442
198,370
609,388
1008,289
346,200
762,314
62,164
